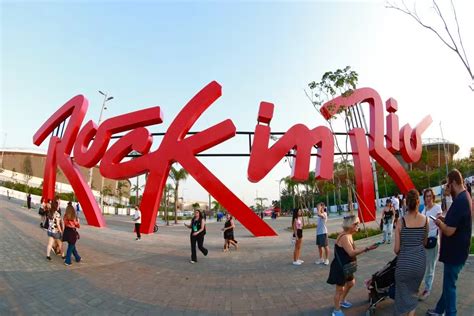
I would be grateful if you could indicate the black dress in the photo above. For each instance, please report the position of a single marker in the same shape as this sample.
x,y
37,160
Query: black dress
x,y
336,274
228,233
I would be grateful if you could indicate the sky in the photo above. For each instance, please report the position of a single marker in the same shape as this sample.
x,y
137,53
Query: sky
x,y
156,53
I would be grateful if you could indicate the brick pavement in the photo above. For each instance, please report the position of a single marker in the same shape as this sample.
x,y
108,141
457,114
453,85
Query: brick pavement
x,y
121,276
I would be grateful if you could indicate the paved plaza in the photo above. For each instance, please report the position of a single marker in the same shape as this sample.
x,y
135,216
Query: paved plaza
x,y
154,277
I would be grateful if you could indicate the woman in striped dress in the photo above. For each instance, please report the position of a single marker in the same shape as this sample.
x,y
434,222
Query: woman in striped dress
x,y
410,239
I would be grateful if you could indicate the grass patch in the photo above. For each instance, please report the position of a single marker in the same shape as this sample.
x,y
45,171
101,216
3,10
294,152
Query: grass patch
x,y
472,246
361,234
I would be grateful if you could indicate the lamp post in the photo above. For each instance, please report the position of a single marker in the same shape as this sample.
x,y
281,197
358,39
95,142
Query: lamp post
x,y
279,191
91,171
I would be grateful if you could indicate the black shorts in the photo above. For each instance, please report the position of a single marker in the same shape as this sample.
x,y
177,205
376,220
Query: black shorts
x,y
322,240
299,233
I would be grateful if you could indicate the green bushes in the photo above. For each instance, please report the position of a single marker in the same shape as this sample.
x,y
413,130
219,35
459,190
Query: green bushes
x,y
360,234
472,246
35,191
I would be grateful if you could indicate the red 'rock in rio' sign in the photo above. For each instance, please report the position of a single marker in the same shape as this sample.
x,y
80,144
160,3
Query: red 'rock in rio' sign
x,y
91,146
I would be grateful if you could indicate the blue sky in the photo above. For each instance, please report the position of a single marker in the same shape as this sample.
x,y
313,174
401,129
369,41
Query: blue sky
x,y
157,53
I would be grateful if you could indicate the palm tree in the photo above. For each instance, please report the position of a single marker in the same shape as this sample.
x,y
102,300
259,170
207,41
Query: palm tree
x,y
290,187
176,176
136,188
168,193
216,206
259,199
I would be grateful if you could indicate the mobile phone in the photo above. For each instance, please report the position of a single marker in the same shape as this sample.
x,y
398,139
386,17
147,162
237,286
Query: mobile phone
x,y
432,217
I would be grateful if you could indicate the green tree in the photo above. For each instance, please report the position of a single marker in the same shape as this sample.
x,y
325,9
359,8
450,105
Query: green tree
x,y
106,191
136,188
259,201
27,169
177,175
196,206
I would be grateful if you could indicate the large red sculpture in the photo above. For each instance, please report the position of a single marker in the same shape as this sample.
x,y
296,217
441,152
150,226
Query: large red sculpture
x,y
91,146
384,156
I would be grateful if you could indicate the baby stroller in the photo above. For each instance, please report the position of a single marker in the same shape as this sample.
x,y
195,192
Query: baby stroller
x,y
381,286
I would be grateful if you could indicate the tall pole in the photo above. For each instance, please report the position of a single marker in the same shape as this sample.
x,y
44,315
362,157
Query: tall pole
x,y
279,192
374,170
444,148
91,170
3,147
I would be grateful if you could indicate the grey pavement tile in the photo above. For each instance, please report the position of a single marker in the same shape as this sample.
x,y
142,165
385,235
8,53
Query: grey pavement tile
x,y
153,277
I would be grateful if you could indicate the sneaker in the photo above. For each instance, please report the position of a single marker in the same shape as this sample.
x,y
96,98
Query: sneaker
x,y
192,262
424,295
319,261
48,258
296,263
326,263
432,312
346,304
67,264
389,242
300,261
337,313
137,238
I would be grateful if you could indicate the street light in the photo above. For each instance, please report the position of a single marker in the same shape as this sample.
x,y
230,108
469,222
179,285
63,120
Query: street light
x,y
279,191
91,170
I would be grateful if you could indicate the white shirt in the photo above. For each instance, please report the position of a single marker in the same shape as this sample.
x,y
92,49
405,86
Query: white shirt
x,y
434,211
137,217
395,202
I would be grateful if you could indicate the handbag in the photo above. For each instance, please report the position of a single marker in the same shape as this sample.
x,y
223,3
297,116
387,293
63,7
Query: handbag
x,y
431,242
349,268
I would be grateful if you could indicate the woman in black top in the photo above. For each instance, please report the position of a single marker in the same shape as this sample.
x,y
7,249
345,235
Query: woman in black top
x,y
198,230
229,233
345,252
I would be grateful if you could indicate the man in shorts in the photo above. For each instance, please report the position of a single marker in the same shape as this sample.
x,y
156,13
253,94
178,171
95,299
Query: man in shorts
x,y
322,235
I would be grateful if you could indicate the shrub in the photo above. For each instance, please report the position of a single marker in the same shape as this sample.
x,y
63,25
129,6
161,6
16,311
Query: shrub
x,y
360,234
472,246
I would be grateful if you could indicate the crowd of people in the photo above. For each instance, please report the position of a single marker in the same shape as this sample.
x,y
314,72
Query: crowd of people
x,y
421,236
60,229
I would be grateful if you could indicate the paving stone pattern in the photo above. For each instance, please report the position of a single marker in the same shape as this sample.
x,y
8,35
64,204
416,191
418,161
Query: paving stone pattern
x,y
121,276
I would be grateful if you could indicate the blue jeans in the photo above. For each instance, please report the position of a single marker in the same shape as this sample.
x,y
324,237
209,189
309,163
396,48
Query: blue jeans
x,y
431,258
71,249
447,301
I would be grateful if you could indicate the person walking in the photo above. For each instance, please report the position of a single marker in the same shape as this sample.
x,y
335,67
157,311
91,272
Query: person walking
x,y
55,230
455,229
42,212
297,225
229,233
410,239
137,218
198,230
71,235
388,214
28,201
78,209
431,210
344,264
322,235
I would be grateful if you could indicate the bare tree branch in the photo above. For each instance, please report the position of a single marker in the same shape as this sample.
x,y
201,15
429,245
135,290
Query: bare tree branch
x,y
453,45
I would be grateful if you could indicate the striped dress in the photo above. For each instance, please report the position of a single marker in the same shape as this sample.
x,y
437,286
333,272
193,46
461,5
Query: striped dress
x,y
410,268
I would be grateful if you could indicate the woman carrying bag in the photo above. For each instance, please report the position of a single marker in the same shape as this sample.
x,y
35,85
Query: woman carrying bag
x,y
344,264
71,235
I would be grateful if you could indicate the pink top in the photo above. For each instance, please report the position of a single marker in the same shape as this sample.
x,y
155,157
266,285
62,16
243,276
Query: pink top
x,y
71,224
298,223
